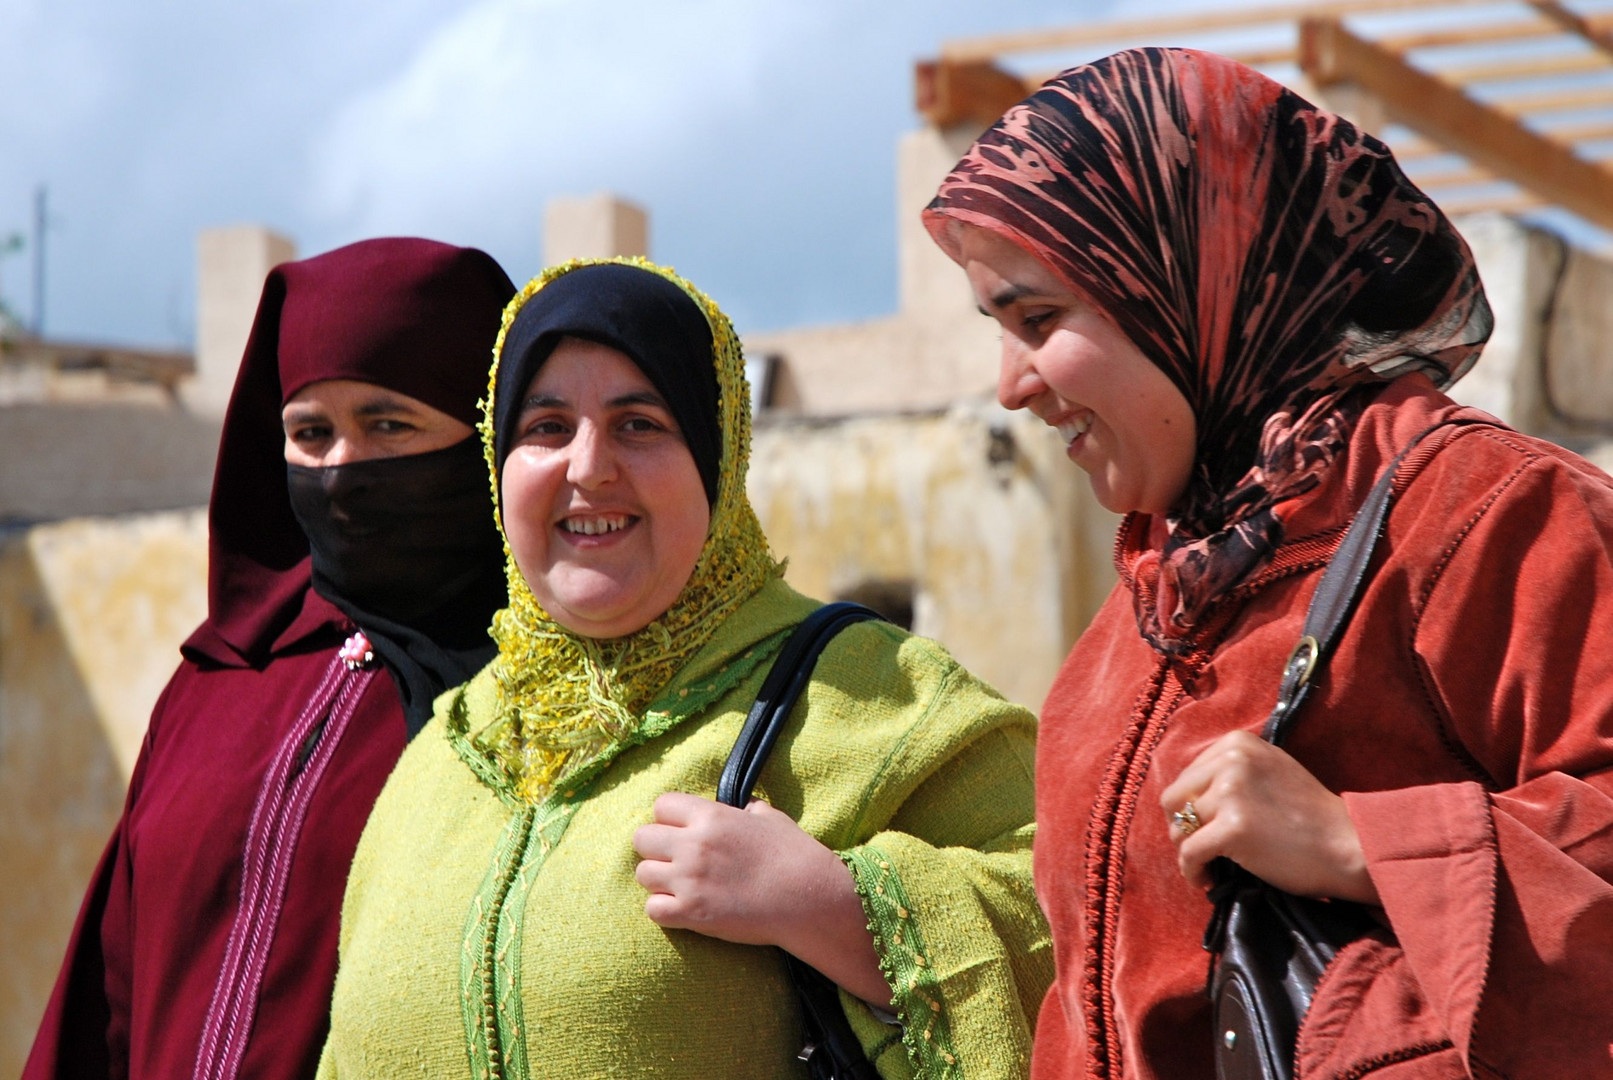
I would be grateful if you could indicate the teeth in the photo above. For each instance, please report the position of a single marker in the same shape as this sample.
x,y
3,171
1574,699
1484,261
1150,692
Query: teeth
x,y
595,526
1072,430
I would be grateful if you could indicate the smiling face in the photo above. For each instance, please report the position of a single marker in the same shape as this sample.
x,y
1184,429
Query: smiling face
x,y
335,421
1121,417
603,505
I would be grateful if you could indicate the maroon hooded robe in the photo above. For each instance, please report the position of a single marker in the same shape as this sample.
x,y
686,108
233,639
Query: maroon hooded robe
x,y
206,945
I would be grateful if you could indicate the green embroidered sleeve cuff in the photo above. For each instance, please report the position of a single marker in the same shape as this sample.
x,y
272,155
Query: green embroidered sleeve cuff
x,y
915,986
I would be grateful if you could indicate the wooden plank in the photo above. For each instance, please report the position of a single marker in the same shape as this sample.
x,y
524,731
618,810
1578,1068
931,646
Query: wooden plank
x,y
949,92
1528,67
1552,100
1591,129
1415,147
1255,58
1573,21
1467,174
1331,55
1483,33
1506,204
1157,29
1277,54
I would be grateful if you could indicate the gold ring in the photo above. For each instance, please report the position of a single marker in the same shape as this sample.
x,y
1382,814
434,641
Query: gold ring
x,y
1187,819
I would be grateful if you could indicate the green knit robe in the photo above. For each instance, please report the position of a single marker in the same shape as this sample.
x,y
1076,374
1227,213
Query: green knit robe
x,y
484,937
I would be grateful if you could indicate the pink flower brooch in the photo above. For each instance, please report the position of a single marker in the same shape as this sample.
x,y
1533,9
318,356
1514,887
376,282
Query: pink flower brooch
x,y
356,652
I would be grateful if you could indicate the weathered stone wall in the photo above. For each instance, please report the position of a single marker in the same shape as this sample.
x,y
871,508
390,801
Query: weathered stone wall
x,y
74,459
936,349
91,616
972,515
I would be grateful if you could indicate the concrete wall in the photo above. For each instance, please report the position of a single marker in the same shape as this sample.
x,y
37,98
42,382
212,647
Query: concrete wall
x,y
91,616
936,349
975,513
231,263
598,226
70,459
1546,369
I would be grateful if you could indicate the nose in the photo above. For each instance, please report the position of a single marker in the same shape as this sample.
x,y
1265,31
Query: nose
x,y
591,460
1018,381
343,451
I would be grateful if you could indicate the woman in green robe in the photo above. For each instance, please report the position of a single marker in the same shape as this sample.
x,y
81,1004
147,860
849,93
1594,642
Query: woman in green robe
x,y
546,887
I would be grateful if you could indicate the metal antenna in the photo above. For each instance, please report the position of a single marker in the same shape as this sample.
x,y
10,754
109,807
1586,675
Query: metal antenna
x,y
39,261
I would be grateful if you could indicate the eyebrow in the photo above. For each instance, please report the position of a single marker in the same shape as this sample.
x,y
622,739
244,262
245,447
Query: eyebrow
x,y
636,397
381,405
1004,297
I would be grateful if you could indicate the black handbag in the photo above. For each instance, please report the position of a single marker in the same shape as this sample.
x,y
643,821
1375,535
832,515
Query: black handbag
x,y
831,1049
1272,947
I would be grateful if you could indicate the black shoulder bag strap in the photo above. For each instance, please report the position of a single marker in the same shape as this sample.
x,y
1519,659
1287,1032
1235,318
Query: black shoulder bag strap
x,y
1335,596
1272,947
832,1050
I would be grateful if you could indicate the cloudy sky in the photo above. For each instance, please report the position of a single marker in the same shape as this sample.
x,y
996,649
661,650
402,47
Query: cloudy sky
x,y
760,134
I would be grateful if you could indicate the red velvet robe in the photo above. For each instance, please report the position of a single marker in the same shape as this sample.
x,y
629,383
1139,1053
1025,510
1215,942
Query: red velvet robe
x,y
145,960
1468,716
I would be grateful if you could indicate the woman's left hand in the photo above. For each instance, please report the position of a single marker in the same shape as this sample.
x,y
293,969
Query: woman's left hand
x,y
753,876
1263,810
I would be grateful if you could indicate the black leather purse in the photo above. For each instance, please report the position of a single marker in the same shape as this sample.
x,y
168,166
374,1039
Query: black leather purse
x,y
1272,947
831,1050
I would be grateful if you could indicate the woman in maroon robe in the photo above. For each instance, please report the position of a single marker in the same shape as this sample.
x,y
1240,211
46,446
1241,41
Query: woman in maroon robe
x,y
353,572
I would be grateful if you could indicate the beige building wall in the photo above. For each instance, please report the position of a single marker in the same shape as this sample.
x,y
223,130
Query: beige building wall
x,y
91,616
231,263
936,349
599,226
974,515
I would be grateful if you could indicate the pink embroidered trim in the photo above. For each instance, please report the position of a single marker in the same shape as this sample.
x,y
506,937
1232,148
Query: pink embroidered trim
x,y
272,834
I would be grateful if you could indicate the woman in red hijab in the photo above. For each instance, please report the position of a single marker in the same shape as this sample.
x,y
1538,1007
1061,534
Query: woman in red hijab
x,y
354,570
1237,312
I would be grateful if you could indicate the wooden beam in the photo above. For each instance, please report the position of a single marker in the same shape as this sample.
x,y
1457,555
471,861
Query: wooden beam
x,y
1506,204
1528,67
1459,177
1330,55
950,92
1277,54
1591,129
1158,29
1573,21
1415,147
1481,34
1552,100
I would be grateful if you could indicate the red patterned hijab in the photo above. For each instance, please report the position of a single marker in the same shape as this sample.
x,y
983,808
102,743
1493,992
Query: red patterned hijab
x,y
1268,256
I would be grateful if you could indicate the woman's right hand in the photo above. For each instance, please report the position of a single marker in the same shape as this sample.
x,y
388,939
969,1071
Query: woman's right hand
x,y
1258,806
755,877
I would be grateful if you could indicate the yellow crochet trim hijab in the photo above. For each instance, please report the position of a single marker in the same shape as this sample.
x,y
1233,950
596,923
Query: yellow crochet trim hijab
x,y
565,699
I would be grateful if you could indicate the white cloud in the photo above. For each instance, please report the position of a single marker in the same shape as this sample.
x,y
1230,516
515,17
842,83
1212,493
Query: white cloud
x,y
518,99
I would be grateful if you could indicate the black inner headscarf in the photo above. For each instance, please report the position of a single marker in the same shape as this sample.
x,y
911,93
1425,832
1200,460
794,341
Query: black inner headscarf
x,y
638,313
